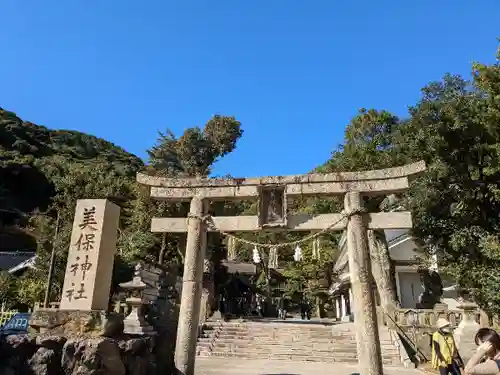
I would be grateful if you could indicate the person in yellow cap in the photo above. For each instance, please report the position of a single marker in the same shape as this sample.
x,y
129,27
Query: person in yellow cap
x,y
445,357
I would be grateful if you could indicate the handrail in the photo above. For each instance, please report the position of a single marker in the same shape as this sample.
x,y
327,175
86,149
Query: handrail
x,y
215,336
403,333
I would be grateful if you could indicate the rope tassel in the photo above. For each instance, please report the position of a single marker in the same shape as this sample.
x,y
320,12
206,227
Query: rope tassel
x,y
316,253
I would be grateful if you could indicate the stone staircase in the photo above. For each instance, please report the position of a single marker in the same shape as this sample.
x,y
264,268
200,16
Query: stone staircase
x,y
315,342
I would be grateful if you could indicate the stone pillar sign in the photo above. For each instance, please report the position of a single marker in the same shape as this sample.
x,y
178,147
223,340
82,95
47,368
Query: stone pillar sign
x,y
89,269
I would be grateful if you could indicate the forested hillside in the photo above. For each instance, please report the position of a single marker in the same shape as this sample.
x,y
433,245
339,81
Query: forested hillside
x,y
35,164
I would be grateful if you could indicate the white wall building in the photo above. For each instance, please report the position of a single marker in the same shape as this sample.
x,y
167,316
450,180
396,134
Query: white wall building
x,y
408,284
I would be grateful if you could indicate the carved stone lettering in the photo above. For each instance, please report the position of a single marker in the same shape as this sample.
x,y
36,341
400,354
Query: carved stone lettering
x,y
91,254
88,220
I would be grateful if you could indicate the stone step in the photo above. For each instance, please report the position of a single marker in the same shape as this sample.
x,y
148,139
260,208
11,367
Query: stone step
x,y
224,336
278,333
283,332
301,341
288,342
280,357
287,333
267,340
280,349
296,344
287,349
308,351
285,327
322,331
294,357
270,346
286,355
273,349
280,328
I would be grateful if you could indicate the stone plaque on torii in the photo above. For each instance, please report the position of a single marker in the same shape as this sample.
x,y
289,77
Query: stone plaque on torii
x,y
272,194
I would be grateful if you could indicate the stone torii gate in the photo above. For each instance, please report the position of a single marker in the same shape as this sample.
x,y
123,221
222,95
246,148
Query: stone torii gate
x,y
272,194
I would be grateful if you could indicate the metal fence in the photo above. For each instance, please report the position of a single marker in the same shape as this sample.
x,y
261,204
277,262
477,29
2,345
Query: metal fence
x,y
5,315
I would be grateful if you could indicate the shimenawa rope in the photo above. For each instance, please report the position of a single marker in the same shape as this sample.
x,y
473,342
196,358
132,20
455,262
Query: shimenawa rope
x,y
208,220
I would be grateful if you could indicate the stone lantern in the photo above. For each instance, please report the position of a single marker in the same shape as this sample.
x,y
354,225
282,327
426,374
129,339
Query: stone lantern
x,y
135,323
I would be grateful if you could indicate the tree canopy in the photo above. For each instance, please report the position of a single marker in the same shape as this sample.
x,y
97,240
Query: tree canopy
x,y
455,129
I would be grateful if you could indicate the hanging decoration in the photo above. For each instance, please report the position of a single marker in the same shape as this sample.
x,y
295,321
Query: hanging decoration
x,y
297,256
256,255
316,250
273,258
231,249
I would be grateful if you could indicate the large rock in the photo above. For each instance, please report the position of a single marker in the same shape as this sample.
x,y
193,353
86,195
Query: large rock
x,y
56,355
136,355
47,359
15,352
92,356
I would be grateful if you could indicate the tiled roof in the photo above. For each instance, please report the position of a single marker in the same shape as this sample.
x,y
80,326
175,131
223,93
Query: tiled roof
x,y
240,267
9,259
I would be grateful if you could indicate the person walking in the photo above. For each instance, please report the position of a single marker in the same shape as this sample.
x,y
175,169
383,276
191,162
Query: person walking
x,y
445,356
302,309
260,306
486,360
308,310
222,305
305,309
282,309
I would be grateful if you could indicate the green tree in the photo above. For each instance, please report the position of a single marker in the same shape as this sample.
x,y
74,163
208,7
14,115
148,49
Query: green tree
x,y
7,289
194,153
369,143
456,205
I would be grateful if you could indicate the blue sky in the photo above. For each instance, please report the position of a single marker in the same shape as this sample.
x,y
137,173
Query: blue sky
x,y
292,71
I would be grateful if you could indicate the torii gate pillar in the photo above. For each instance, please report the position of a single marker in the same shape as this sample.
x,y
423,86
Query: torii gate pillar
x,y
365,315
189,314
